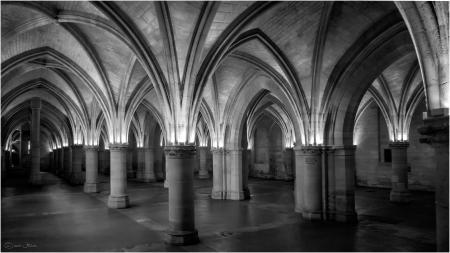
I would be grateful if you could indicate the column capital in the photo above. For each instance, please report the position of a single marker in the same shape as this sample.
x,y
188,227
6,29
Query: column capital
x,y
308,150
118,147
77,146
399,144
90,148
217,150
180,152
344,150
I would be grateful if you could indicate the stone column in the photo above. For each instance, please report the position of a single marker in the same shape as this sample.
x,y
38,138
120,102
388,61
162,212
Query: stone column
x,y
76,176
118,197
35,173
180,169
311,182
436,131
235,177
344,183
298,187
399,192
91,184
149,161
218,190
203,171
67,162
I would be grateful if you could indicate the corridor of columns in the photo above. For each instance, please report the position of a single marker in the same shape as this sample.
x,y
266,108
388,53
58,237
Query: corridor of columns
x,y
224,126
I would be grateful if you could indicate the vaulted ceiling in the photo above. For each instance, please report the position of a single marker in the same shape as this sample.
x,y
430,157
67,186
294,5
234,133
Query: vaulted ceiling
x,y
180,57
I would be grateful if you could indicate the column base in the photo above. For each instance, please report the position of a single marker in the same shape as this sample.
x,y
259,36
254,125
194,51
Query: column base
x,y
118,202
312,216
76,179
203,175
91,187
236,195
182,237
217,195
400,196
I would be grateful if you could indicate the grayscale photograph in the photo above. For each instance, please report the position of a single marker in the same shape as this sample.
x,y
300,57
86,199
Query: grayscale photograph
x,y
224,126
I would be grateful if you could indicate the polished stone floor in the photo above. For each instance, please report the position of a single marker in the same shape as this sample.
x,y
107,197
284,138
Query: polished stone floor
x,y
59,217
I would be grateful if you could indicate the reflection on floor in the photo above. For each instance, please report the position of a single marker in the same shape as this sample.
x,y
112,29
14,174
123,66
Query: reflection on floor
x,y
59,217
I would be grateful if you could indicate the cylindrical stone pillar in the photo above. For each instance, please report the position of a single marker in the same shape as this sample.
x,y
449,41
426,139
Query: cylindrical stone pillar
x,y
399,178
76,176
140,164
91,183
298,187
35,173
118,197
203,170
218,191
235,181
312,183
180,169
436,131
149,161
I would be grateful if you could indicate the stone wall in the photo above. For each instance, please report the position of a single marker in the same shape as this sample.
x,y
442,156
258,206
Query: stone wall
x,y
371,138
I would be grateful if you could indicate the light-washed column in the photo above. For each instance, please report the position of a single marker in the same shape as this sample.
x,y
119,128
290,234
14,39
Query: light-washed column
x,y
180,169
218,190
436,131
311,157
91,184
235,176
118,197
399,178
298,195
